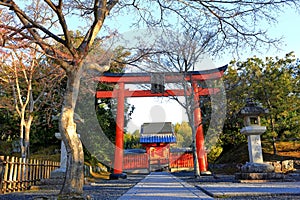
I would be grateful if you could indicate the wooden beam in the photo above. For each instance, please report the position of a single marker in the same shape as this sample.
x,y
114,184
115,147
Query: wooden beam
x,y
147,93
170,77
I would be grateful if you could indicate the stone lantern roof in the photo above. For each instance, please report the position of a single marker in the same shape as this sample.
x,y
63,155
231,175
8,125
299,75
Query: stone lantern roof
x,y
252,108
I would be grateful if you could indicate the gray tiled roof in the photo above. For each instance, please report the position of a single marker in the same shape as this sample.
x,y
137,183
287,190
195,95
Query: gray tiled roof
x,y
159,132
157,128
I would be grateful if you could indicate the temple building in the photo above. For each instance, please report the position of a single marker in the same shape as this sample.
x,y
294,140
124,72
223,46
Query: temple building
x,y
157,156
156,138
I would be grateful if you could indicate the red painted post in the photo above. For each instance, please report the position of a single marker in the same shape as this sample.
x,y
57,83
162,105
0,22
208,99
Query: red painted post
x,y
118,164
199,131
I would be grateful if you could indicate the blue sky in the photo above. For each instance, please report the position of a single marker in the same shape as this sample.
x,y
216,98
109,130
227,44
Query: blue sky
x,y
164,109
287,27
168,110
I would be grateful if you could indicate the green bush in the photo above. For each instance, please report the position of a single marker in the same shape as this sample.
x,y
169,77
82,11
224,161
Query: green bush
x,y
214,153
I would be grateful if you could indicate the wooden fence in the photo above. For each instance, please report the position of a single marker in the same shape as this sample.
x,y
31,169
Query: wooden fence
x,y
17,174
141,161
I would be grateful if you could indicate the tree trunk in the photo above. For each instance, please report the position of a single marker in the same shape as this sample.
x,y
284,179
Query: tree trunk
x,y
194,147
273,137
27,136
271,120
22,139
195,157
75,158
274,145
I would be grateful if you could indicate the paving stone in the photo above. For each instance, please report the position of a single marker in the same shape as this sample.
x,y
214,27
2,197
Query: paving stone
x,y
163,186
251,189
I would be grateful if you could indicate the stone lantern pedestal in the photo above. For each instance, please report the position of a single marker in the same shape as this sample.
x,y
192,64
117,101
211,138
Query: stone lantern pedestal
x,y
254,143
255,169
60,172
56,180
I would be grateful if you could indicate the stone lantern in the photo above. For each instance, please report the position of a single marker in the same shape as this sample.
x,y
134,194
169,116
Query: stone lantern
x,y
255,169
253,129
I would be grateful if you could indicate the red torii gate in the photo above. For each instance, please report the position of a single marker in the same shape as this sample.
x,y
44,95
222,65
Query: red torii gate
x,y
169,77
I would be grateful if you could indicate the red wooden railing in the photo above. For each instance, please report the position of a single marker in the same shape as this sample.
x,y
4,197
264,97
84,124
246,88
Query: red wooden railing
x,y
179,160
141,161
136,161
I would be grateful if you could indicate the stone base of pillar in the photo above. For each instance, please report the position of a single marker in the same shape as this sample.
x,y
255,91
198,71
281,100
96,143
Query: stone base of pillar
x,y
259,177
58,173
206,173
257,168
258,172
55,182
117,176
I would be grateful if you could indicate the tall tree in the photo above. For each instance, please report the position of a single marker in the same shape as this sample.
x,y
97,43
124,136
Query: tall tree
x,y
100,140
183,134
231,24
28,80
273,82
37,20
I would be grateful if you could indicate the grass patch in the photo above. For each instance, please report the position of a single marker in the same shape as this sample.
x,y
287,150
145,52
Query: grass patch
x,y
51,153
227,162
285,150
54,157
237,154
5,148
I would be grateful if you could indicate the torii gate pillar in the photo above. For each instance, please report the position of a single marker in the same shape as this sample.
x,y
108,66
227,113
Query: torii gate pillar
x,y
118,163
200,147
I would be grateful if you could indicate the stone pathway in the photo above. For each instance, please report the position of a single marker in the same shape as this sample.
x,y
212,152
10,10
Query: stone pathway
x,y
163,186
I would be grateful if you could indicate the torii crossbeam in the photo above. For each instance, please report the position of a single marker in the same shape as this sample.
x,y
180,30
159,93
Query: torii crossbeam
x,y
169,77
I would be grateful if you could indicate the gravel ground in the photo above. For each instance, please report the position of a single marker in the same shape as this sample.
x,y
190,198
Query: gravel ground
x,y
100,190
113,189
188,177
